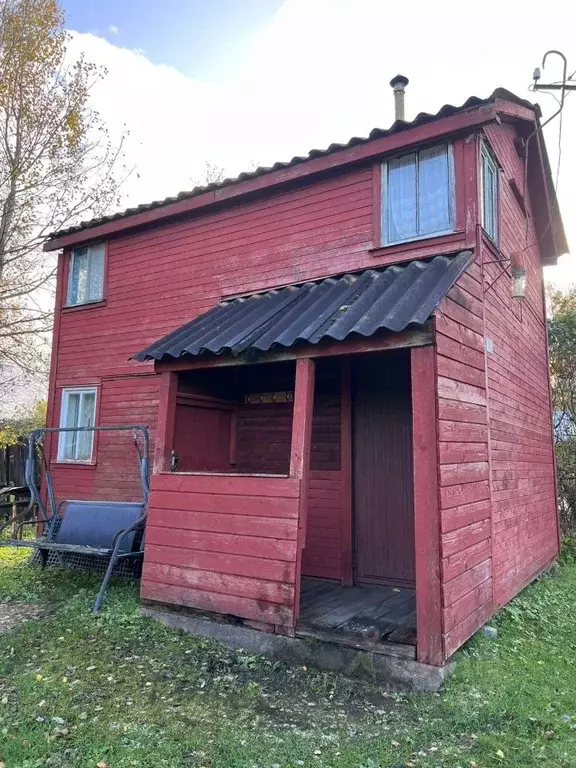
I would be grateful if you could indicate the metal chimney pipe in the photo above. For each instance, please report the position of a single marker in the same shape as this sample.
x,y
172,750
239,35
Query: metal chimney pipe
x,y
398,84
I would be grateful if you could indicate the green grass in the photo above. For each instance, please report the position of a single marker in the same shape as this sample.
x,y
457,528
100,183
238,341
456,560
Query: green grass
x,y
122,690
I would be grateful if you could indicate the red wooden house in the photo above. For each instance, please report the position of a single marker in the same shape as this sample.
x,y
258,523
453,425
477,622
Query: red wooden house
x,y
351,409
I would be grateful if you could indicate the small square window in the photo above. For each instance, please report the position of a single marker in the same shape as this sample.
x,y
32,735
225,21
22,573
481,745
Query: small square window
x,y
86,277
78,410
418,195
489,194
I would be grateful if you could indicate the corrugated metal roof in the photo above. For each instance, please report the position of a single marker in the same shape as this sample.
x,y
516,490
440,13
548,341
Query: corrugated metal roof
x,y
334,308
400,125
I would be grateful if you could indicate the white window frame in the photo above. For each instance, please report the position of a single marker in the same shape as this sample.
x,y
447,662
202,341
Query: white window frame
x,y
384,197
64,405
487,156
90,249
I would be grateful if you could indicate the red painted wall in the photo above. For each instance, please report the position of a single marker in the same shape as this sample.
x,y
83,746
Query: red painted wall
x,y
497,485
521,448
224,544
463,457
156,279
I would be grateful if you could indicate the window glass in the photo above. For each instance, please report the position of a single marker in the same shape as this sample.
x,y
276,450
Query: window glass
x,y
489,194
418,195
433,191
402,223
78,410
86,280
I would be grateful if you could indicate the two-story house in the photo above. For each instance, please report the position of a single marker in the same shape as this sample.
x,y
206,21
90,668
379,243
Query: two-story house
x,y
343,360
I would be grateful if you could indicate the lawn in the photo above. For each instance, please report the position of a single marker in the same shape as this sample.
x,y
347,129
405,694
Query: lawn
x,y
120,690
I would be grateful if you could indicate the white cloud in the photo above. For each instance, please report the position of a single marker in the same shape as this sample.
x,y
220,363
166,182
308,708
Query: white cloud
x,y
113,29
318,73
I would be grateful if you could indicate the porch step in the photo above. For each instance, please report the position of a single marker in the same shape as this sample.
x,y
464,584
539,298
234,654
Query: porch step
x,y
400,650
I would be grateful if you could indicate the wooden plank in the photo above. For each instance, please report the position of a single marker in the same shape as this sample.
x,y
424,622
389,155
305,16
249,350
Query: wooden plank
x,y
244,525
467,493
165,426
226,484
466,582
228,504
463,472
302,419
225,583
222,562
403,651
216,602
300,454
377,343
259,547
347,535
426,508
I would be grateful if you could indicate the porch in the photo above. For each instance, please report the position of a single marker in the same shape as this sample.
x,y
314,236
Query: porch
x,y
283,499
376,618
278,462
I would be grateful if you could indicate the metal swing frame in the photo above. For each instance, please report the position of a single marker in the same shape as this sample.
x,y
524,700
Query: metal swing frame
x,y
50,518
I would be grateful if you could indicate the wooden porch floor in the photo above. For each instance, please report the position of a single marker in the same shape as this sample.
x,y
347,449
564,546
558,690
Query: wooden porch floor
x,y
376,618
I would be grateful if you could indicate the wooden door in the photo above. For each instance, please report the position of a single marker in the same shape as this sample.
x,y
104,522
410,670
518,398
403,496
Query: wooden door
x,y
382,470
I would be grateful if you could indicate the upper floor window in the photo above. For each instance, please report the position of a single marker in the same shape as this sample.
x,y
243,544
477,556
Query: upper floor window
x,y
78,410
418,195
86,276
489,174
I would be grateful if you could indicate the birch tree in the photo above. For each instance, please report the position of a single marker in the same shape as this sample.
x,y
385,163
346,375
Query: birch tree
x,y
58,166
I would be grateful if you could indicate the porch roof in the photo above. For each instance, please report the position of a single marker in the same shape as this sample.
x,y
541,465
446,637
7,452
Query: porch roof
x,y
334,308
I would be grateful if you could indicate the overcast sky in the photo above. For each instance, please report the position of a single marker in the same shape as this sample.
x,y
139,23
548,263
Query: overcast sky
x,y
239,82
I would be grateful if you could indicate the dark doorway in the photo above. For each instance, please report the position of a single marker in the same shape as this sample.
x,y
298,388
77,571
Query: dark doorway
x,y
382,470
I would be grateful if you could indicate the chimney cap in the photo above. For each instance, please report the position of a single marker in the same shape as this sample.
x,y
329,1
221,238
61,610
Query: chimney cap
x,y
399,82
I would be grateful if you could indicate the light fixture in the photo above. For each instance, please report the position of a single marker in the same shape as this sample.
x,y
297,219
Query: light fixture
x,y
519,275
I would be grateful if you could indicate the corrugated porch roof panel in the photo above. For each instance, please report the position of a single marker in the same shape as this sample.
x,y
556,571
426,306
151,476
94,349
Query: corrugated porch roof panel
x,y
391,298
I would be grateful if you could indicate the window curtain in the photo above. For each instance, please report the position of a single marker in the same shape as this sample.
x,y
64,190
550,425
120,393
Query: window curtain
x,y
79,409
69,439
95,277
77,290
433,191
401,201
86,419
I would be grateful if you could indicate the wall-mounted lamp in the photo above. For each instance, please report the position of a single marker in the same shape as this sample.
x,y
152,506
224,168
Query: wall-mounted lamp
x,y
519,275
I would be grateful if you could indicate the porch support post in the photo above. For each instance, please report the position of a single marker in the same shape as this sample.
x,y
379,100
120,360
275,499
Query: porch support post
x,y
300,455
166,419
346,471
426,507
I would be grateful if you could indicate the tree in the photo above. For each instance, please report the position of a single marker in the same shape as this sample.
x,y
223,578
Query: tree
x,y
22,423
562,340
57,166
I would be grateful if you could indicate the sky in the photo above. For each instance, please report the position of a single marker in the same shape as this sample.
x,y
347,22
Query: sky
x,y
240,83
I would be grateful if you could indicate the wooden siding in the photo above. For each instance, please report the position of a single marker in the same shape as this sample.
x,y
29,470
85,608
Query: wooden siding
x,y
521,447
223,543
463,462
263,445
158,278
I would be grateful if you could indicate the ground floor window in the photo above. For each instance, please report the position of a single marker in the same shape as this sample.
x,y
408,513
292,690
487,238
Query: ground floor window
x,y
78,410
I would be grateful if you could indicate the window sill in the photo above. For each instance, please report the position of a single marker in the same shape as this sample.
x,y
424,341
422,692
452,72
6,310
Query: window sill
x,y
77,464
454,236
88,305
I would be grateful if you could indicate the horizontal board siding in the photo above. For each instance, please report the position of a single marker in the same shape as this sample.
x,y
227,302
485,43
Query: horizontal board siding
x,y
523,491
322,556
464,468
159,278
213,543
